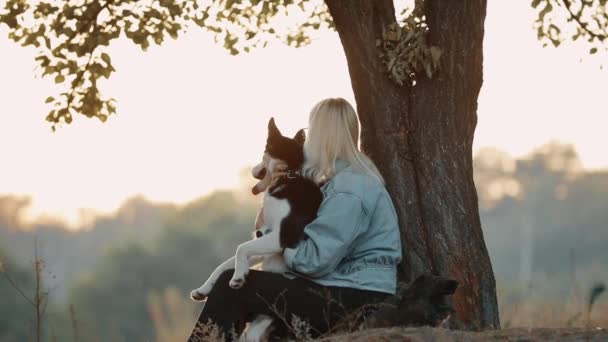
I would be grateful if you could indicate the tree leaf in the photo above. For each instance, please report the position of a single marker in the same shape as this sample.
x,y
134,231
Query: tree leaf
x,y
106,58
59,78
593,50
49,99
545,11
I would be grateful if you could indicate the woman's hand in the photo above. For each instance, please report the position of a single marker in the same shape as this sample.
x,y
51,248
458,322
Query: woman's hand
x,y
279,170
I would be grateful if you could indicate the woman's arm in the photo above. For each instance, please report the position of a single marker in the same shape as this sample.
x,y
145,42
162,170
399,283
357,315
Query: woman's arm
x,y
330,235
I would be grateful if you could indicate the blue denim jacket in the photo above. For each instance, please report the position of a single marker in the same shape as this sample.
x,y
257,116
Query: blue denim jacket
x,y
354,241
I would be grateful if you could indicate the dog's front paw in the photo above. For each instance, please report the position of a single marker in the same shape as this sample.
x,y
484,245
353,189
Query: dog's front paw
x,y
237,281
198,295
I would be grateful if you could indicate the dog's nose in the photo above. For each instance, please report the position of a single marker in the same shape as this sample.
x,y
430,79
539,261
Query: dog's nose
x,y
258,234
261,174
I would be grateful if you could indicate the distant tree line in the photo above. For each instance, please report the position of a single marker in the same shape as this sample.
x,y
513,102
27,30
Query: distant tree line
x,y
128,275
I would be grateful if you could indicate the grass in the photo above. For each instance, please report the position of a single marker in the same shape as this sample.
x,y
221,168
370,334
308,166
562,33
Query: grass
x,y
583,309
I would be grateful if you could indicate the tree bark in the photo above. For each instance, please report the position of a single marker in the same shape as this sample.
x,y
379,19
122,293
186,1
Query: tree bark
x,y
421,139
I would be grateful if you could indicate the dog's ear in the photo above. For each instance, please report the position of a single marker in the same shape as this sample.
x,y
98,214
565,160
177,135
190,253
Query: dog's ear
x,y
300,137
272,128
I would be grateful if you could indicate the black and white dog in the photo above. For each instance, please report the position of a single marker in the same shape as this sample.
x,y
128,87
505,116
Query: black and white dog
x,y
290,203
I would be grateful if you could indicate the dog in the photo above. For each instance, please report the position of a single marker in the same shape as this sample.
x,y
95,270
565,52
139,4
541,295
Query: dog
x,y
290,203
423,302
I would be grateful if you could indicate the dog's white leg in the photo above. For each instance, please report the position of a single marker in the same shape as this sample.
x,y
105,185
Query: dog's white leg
x,y
201,293
267,244
255,260
258,330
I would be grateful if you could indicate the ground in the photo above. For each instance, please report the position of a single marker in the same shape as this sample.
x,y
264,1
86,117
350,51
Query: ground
x,y
441,335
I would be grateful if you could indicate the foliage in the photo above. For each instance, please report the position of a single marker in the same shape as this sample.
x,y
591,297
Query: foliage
x,y
67,254
172,315
116,299
543,217
405,51
560,20
544,221
72,37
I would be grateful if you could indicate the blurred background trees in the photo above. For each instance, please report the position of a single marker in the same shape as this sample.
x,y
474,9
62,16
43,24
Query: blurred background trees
x,y
544,218
16,313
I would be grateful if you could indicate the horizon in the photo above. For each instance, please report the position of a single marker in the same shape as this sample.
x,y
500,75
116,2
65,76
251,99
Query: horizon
x,y
184,113
88,217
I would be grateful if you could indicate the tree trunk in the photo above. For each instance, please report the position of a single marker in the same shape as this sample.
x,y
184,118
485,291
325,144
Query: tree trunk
x,y
421,140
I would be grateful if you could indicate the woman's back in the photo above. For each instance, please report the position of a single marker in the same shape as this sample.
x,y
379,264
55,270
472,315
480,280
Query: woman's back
x,y
355,241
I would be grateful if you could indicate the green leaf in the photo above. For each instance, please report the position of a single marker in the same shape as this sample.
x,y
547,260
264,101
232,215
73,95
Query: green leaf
x,y
535,3
106,58
51,116
106,72
592,51
49,99
59,79
545,11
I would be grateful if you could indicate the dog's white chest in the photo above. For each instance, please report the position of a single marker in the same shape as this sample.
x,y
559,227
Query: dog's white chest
x,y
274,211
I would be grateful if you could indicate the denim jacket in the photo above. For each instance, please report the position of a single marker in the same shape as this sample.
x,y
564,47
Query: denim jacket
x,y
354,241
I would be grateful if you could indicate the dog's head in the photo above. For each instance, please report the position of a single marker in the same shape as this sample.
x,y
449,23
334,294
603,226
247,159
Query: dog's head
x,y
278,149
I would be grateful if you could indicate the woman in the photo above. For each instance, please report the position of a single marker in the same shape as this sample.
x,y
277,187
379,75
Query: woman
x,y
349,259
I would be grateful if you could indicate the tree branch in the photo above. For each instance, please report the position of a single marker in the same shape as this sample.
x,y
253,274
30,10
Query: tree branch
x,y
582,24
8,278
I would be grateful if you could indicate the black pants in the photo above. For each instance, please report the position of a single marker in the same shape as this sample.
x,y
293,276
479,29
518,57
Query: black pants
x,y
324,308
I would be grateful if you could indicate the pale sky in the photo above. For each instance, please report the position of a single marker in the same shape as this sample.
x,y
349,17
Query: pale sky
x,y
191,117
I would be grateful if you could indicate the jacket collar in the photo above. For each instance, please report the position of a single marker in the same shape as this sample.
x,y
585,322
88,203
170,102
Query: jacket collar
x,y
340,165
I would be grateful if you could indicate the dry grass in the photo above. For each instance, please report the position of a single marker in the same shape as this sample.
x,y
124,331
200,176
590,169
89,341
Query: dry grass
x,y
574,310
529,319
554,315
172,314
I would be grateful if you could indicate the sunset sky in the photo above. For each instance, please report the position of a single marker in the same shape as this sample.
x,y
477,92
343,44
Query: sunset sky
x,y
191,117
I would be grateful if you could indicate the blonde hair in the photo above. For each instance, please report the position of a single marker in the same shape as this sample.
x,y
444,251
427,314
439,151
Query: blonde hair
x,y
333,133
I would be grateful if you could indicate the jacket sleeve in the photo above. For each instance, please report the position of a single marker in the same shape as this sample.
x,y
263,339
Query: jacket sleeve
x,y
330,235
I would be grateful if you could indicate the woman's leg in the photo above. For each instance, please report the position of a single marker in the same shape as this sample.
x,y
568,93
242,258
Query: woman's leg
x,y
274,295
